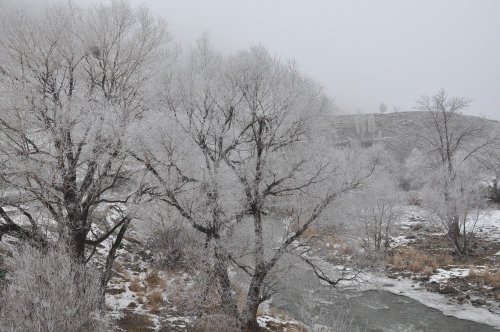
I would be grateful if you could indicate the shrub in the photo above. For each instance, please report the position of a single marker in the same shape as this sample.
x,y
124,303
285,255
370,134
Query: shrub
x,y
135,286
417,261
49,291
486,277
175,247
153,279
154,299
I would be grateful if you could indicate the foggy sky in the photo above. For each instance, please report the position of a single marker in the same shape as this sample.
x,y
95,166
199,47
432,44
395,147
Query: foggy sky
x,y
362,52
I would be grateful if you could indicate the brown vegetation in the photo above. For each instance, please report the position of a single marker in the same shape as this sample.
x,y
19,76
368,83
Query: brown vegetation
x,y
487,277
411,259
154,299
136,286
153,279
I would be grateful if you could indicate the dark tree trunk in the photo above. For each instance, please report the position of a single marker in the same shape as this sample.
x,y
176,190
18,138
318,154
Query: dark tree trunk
x,y
249,314
454,230
112,253
228,302
495,192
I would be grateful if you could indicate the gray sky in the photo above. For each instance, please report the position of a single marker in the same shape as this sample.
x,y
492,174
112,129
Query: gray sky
x,y
363,52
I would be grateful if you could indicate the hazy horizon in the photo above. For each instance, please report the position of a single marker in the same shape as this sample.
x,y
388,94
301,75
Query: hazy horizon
x,y
362,52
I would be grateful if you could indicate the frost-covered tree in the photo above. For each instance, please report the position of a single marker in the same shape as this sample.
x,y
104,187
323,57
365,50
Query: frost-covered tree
x,y
376,208
455,200
413,170
72,80
252,154
382,108
451,140
489,161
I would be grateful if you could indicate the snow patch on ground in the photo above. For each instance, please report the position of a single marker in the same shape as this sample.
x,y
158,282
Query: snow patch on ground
x,y
408,288
400,240
488,225
437,301
443,275
264,320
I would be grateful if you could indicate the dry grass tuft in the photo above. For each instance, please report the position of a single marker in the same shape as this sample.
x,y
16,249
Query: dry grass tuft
x,y
162,284
311,232
135,286
153,279
154,299
118,268
346,250
240,295
200,296
414,260
485,278
216,323
427,271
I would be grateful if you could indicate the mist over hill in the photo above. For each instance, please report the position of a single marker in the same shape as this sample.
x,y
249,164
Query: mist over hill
x,y
396,131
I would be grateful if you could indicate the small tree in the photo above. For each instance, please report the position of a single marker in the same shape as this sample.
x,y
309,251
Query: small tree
x,y
376,209
458,198
382,108
451,140
413,170
489,161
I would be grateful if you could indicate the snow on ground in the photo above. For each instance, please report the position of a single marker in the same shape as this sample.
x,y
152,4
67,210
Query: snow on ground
x,y
410,215
437,301
409,288
265,320
443,275
488,225
400,240
118,303
406,287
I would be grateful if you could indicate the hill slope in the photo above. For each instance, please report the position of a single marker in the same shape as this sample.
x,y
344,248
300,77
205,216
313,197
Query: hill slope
x,y
396,130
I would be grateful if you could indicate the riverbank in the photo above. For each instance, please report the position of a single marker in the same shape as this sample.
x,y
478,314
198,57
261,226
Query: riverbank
x,y
419,264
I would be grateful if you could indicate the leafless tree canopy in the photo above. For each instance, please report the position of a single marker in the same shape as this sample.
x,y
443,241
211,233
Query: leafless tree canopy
x,y
72,81
453,142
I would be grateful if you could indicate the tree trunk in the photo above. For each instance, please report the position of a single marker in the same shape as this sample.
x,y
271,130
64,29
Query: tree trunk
x,y
106,276
249,314
228,302
454,234
495,192
77,235
78,244
454,229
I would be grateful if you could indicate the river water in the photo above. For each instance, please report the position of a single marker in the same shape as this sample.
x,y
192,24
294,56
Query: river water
x,y
302,296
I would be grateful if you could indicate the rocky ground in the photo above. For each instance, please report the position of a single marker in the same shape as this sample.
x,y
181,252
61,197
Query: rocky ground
x,y
142,298
422,252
